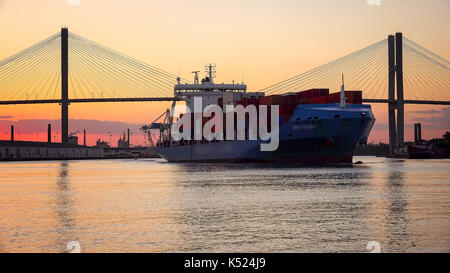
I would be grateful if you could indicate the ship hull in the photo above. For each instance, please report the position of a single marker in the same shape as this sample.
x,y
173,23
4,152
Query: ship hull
x,y
322,139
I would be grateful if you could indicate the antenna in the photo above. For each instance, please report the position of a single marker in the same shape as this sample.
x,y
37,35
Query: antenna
x,y
211,70
195,76
342,104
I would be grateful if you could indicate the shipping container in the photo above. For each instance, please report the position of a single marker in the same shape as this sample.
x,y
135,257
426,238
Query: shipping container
x,y
253,95
352,97
319,100
311,93
288,100
285,118
303,101
270,100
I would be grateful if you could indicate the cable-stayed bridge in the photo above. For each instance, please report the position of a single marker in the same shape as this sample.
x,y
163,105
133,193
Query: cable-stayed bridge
x,y
68,68
396,71
426,76
96,74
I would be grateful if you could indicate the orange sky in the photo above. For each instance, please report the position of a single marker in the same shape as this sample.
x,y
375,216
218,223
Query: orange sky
x,y
260,41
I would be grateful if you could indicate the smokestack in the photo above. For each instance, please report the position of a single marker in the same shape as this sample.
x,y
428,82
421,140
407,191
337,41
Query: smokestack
x,y
12,133
417,133
49,133
84,137
129,144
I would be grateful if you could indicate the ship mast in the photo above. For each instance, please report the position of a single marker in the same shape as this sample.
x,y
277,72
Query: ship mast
x,y
211,71
342,101
195,77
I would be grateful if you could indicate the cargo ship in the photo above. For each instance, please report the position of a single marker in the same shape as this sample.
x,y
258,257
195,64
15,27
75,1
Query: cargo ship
x,y
314,126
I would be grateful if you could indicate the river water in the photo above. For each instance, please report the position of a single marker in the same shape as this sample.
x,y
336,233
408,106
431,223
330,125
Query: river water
x,y
148,205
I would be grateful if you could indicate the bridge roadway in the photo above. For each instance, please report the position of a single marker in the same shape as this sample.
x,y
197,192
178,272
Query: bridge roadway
x,y
89,100
433,102
178,99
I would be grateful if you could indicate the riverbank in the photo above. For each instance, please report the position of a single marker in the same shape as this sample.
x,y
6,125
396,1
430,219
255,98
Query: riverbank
x,y
31,151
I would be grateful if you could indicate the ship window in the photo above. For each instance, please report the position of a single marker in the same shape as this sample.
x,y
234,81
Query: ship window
x,y
299,118
316,117
337,116
309,118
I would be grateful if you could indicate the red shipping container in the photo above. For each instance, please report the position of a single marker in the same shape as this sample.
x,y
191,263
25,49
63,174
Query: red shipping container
x,y
287,109
247,102
283,110
288,100
285,117
303,101
352,97
276,99
264,100
311,93
242,102
319,100
204,120
255,102
334,97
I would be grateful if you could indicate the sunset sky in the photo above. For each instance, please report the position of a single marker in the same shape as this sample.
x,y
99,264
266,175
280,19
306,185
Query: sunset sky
x,y
259,41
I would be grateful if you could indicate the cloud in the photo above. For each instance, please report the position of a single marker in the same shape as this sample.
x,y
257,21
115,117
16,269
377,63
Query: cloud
x,y
6,117
438,122
73,2
428,112
29,126
385,126
440,119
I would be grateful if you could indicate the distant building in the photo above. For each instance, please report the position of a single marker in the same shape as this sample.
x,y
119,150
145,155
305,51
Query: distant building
x,y
72,140
124,142
101,144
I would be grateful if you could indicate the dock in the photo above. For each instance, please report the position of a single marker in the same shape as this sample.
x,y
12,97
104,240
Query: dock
x,y
30,150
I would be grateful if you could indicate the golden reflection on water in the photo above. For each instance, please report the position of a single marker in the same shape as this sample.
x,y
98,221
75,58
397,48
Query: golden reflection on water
x,y
411,207
154,206
397,218
64,207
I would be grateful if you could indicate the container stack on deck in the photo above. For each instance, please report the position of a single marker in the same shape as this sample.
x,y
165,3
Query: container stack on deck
x,y
287,102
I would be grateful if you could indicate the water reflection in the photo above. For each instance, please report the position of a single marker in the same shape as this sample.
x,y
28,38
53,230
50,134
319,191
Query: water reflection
x,y
64,208
397,218
282,210
149,205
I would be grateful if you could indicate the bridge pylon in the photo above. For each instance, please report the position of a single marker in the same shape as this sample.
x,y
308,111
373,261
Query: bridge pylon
x,y
395,65
64,85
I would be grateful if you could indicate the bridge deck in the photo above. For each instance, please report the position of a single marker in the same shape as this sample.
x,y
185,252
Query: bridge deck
x,y
433,102
89,100
177,99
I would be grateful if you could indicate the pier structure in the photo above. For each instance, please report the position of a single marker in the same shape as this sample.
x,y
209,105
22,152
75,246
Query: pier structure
x,y
30,150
